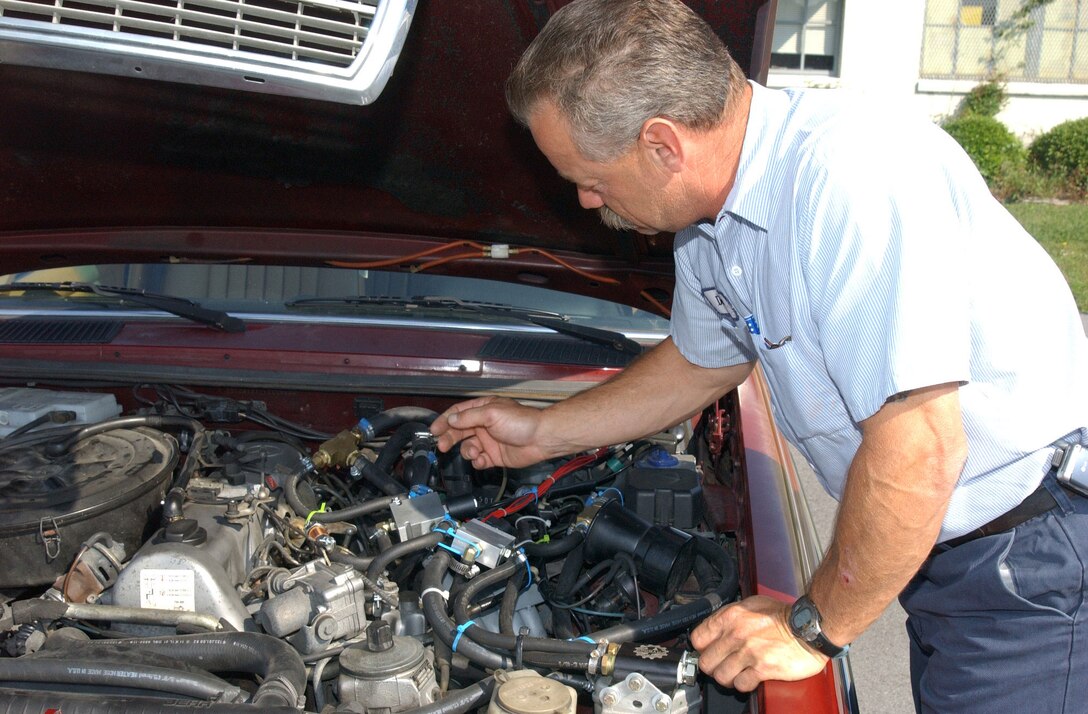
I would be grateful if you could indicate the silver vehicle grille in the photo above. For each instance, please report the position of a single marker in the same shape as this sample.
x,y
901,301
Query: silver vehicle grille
x,y
282,44
326,31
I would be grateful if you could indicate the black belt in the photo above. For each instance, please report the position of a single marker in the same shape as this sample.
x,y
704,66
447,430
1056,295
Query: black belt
x,y
1039,502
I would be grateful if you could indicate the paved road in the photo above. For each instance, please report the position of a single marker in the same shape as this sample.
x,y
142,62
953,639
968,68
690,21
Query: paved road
x,y
879,657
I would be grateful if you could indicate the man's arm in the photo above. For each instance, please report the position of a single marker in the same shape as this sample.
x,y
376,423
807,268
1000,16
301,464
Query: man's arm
x,y
896,495
658,390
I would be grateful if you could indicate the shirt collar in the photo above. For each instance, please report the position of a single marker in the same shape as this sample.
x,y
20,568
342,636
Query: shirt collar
x,y
750,197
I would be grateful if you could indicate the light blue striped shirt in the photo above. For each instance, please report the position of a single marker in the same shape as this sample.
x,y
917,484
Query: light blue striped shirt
x,y
868,253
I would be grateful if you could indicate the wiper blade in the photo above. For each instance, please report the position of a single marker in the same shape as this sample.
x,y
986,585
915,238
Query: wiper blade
x,y
551,320
182,307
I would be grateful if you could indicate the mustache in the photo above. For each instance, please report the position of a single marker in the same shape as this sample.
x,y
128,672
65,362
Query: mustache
x,y
614,220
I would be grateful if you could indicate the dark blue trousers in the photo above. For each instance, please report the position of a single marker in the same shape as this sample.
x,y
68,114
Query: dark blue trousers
x,y
1000,624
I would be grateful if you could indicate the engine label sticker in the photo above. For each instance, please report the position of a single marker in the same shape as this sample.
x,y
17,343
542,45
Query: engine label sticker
x,y
167,589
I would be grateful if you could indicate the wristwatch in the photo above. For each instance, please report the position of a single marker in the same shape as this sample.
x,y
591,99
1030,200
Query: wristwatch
x,y
805,626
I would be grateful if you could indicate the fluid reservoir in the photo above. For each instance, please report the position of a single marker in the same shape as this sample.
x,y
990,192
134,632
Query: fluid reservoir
x,y
527,692
386,673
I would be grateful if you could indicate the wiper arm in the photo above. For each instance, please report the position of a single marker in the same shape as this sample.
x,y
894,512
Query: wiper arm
x,y
542,318
182,307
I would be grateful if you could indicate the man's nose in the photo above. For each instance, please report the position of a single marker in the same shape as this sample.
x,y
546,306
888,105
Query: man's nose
x,y
589,199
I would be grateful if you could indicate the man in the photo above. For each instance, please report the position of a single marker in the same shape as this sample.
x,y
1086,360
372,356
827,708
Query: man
x,y
922,351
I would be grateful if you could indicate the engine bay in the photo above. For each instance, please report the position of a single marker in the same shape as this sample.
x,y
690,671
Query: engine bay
x,y
164,547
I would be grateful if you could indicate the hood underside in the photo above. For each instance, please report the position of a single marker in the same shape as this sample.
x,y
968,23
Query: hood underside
x,y
105,168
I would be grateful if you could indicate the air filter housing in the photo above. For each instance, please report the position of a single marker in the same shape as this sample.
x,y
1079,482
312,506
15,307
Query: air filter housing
x,y
110,482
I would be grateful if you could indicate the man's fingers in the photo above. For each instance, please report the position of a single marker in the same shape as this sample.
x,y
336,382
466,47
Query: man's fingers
x,y
709,629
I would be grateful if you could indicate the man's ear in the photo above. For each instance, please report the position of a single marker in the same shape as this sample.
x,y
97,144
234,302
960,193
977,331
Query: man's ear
x,y
661,139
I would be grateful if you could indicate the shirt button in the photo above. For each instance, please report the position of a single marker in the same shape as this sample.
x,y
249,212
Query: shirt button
x,y
736,271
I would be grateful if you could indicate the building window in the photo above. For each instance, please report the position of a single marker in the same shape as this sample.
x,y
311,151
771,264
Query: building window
x,y
964,39
807,36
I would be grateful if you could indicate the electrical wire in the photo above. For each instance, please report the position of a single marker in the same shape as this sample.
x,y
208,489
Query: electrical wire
x,y
537,493
388,262
665,311
480,251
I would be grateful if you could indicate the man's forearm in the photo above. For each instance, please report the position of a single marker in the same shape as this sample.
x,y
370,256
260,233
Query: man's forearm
x,y
894,501
658,390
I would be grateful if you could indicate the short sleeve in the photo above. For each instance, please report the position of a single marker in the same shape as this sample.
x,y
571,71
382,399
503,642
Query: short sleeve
x,y
699,332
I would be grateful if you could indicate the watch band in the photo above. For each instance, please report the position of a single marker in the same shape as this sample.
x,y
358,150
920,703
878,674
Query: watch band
x,y
805,624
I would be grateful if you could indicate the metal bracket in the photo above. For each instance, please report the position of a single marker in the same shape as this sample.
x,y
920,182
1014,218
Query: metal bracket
x,y
49,532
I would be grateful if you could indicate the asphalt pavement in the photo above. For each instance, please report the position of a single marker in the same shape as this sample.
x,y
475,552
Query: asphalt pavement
x,y
879,657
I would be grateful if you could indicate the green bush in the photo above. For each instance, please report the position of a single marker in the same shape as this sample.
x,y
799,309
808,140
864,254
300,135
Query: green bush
x,y
985,99
988,142
1062,153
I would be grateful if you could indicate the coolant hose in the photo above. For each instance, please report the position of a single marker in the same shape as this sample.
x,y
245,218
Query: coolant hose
x,y
555,549
94,672
372,505
510,602
426,541
377,477
60,448
13,701
672,621
445,629
460,701
491,579
399,439
359,562
279,666
392,418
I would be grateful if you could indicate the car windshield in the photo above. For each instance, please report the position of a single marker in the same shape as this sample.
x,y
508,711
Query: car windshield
x,y
314,293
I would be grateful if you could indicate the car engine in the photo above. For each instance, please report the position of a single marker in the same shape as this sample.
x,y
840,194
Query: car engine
x,y
189,549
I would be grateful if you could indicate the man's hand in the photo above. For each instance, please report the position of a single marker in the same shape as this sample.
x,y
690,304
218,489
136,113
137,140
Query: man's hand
x,y
492,431
750,642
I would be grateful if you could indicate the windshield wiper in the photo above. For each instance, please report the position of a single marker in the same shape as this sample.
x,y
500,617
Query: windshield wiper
x,y
182,307
542,318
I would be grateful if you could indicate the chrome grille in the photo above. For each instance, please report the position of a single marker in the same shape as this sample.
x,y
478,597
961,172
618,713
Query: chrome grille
x,y
336,50
324,31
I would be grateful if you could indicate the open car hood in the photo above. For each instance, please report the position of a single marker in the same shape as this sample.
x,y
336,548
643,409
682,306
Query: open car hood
x,y
97,167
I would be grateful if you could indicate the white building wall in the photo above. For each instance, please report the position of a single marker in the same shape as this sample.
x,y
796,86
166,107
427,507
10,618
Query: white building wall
x,y
881,55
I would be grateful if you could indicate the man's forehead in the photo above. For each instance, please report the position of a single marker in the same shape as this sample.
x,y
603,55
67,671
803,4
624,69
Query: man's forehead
x,y
551,131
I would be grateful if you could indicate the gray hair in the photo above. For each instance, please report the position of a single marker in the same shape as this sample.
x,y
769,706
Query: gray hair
x,y
609,65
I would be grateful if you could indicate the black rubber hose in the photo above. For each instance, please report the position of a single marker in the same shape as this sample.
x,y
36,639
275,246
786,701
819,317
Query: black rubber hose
x,y
197,685
152,420
414,545
378,477
445,629
572,567
277,664
590,575
460,701
679,618
58,416
555,549
398,440
392,418
15,701
417,471
486,581
372,505
359,562
510,602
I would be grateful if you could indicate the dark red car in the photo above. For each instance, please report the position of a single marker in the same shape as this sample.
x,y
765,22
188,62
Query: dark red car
x,y
249,250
